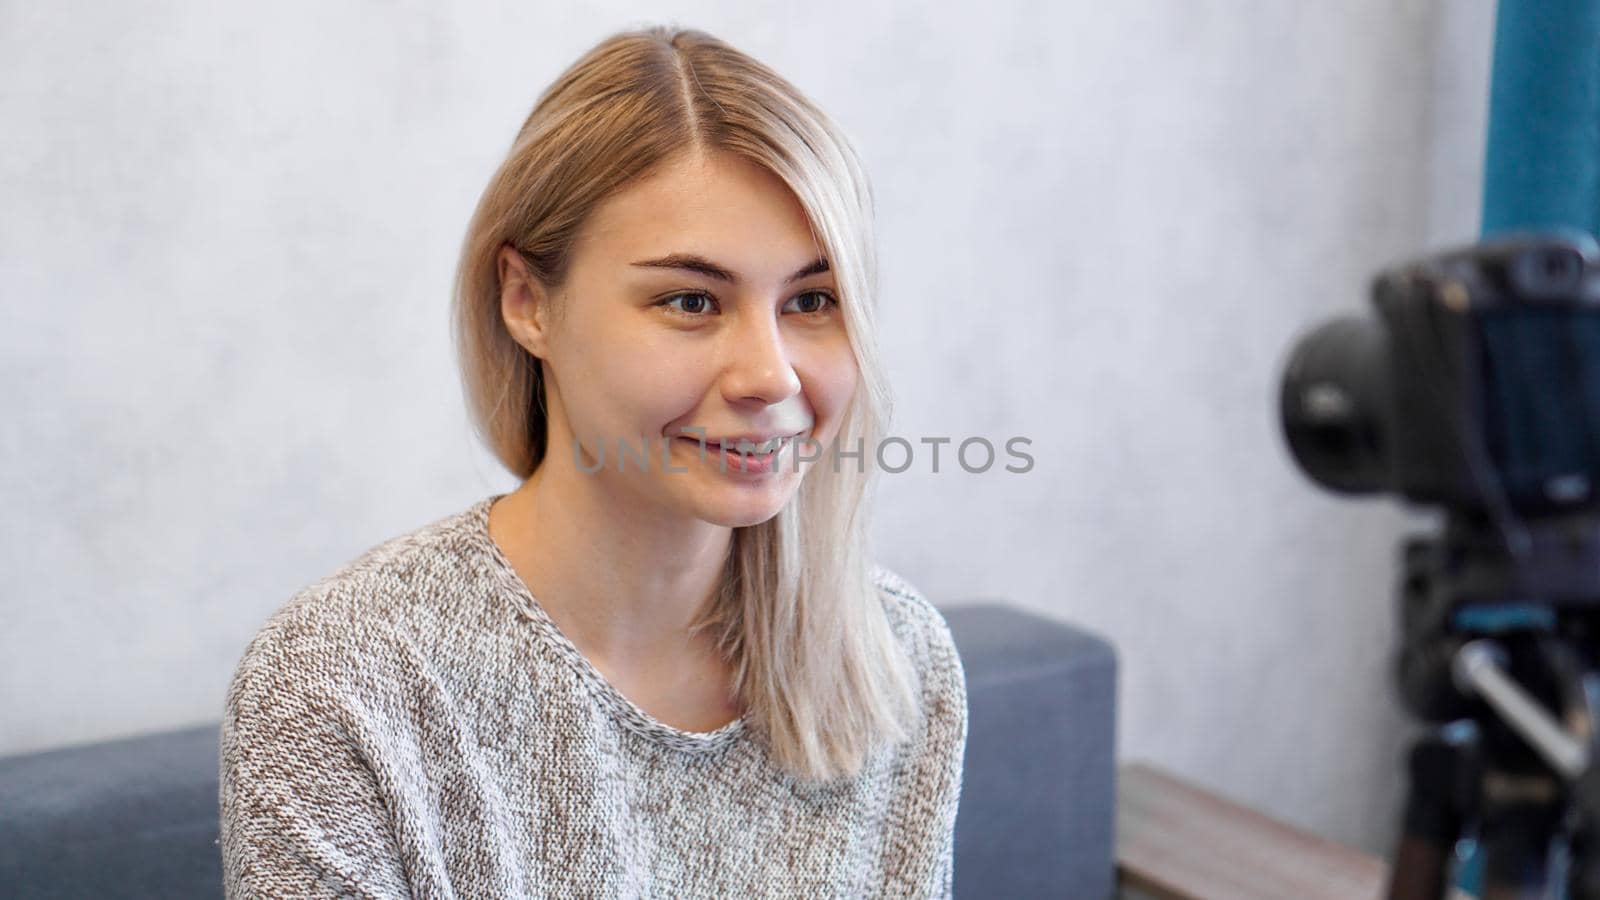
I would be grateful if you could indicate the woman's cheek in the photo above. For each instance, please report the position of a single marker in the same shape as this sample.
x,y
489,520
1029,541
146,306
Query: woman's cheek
x,y
833,386
660,386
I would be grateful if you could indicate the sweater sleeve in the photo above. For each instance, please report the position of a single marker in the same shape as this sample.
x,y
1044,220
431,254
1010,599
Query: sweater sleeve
x,y
951,744
943,886
940,751
301,810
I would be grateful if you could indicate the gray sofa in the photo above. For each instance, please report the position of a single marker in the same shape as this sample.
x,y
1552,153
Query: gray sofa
x,y
138,817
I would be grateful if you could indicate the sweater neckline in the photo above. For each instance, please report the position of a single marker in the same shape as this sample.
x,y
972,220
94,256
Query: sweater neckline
x,y
621,708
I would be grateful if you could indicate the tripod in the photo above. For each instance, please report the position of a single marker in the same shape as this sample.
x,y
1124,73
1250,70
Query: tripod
x,y
1512,678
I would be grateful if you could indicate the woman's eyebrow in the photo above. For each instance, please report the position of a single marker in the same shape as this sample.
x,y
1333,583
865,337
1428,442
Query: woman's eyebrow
x,y
694,263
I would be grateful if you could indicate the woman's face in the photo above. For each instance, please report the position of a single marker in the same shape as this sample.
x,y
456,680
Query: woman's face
x,y
744,340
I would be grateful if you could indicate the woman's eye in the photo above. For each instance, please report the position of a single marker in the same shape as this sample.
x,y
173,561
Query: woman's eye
x,y
813,302
694,304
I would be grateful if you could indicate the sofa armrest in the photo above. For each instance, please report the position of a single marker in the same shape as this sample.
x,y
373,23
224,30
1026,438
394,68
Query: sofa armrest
x,y
1038,798
135,817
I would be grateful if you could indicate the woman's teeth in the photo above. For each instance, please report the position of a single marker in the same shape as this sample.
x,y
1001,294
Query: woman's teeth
x,y
761,449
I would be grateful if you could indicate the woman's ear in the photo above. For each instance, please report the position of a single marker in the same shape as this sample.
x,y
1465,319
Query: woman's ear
x,y
524,303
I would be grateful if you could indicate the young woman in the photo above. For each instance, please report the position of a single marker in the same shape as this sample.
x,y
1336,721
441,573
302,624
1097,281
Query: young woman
x,y
664,666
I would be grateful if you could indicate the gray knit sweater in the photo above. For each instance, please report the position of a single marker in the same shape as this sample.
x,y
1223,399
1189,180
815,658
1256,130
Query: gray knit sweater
x,y
415,725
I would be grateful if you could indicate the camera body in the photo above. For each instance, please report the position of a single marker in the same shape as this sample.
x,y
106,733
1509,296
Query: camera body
x,y
1477,384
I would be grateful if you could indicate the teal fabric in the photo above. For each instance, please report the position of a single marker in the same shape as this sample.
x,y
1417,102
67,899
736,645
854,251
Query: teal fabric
x,y
1542,163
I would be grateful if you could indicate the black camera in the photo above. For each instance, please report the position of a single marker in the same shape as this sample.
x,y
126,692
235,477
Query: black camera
x,y
1477,389
1477,385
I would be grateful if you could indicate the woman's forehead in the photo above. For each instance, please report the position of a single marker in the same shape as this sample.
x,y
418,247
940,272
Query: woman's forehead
x,y
750,230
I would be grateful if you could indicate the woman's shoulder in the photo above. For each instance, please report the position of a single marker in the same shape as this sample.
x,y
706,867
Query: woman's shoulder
x,y
916,619
943,689
344,619
905,601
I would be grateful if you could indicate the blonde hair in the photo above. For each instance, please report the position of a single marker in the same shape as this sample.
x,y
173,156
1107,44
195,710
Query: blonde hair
x,y
798,616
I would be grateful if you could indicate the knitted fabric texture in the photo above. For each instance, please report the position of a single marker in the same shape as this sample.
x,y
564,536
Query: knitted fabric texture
x,y
415,725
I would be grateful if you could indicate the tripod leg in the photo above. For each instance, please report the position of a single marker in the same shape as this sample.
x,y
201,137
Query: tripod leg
x,y
1419,870
1442,768
1517,846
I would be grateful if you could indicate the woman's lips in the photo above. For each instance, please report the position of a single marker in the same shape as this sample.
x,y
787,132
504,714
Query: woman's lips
x,y
748,460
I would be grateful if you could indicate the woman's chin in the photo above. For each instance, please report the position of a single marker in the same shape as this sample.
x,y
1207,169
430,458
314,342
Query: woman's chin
x,y
743,505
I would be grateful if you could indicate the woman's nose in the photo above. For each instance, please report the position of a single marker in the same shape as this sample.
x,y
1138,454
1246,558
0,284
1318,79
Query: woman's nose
x,y
759,367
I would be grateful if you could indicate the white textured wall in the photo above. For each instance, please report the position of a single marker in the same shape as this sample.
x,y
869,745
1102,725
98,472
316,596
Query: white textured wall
x,y
228,234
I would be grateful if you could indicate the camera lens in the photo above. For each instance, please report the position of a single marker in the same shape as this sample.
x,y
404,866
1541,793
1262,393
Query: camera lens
x,y
1333,405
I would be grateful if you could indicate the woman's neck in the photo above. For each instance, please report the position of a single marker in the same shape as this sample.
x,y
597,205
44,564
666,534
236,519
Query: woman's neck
x,y
621,580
